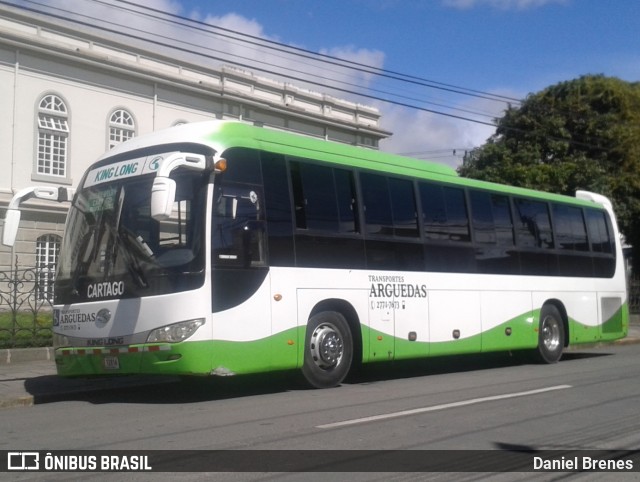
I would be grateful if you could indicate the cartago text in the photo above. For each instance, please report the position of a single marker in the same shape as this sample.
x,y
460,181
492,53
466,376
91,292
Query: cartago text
x,y
99,290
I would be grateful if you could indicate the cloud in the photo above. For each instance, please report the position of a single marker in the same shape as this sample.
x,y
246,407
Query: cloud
x,y
430,136
500,4
360,77
371,58
434,137
283,63
237,23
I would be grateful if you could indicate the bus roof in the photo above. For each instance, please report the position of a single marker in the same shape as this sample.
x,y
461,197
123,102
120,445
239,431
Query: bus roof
x,y
223,134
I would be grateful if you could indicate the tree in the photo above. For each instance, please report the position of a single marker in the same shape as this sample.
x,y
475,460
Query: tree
x,y
579,134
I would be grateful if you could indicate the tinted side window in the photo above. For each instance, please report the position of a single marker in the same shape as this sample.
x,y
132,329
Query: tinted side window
x,y
238,235
457,217
347,206
299,202
403,202
533,228
501,208
482,214
314,197
278,210
599,234
569,228
444,213
491,218
377,204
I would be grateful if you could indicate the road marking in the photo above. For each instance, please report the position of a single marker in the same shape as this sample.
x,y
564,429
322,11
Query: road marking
x,y
444,406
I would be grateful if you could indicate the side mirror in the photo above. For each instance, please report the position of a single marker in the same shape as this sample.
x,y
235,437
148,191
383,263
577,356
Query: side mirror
x,y
12,219
163,195
11,222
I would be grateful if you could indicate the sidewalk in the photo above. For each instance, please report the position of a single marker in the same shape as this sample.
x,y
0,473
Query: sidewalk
x,y
31,379
28,376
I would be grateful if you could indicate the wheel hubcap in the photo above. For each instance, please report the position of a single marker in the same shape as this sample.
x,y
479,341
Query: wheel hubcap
x,y
326,346
550,333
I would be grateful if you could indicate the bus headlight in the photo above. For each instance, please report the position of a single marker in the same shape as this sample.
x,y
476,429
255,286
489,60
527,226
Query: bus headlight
x,y
176,332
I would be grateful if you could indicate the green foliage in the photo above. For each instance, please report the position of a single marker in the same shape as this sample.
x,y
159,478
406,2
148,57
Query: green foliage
x,y
26,331
579,134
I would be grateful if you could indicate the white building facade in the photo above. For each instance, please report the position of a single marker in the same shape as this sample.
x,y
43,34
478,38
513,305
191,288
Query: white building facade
x,y
66,98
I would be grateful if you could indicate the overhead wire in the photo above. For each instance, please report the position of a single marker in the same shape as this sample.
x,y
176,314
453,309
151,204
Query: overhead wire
x,y
260,42
330,79
299,51
249,66
289,50
356,66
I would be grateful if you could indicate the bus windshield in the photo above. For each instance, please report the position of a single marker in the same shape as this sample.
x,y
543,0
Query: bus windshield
x,y
113,248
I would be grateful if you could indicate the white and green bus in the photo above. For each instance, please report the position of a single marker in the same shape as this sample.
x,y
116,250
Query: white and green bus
x,y
220,248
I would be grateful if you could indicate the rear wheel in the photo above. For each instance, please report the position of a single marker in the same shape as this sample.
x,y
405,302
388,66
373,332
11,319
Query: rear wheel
x,y
328,350
551,335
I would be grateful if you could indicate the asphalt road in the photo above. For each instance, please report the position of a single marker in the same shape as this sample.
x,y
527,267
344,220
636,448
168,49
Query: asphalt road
x,y
588,401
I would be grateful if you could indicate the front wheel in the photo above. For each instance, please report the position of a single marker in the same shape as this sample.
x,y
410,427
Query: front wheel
x,y
328,350
551,335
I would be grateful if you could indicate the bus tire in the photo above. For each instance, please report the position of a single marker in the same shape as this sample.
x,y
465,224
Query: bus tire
x,y
328,350
551,335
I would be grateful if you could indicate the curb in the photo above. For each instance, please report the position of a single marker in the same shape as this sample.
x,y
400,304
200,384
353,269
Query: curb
x,y
83,387
22,355
24,401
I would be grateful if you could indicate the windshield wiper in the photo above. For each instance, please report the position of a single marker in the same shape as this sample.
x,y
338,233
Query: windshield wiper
x,y
133,264
121,243
86,253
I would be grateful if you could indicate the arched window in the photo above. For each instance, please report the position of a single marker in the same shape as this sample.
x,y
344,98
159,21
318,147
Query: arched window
x,y
122,127
53,136
47,250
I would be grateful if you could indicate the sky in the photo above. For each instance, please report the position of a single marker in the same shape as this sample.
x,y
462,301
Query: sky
x,y
439,71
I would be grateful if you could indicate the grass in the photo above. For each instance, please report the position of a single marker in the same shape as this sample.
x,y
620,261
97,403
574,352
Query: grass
x,y
27,332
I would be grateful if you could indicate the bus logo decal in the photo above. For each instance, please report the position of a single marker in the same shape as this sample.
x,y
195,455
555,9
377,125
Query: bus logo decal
x,y
154,165
103,317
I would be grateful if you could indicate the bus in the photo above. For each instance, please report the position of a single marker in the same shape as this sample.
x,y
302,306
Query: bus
x,y
222,248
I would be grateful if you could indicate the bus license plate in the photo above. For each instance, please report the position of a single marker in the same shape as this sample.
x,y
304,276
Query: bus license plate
x,y
111,363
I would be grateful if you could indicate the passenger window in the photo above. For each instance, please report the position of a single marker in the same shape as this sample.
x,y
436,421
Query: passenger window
x,y
299,201
318,202
238,235
403,202
457,216
569,228
377,205
347,206
492,222
483,224
502,218
324,198
533,227
444,213
599,234
389,206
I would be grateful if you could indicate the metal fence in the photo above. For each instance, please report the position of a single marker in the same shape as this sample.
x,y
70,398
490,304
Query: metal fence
x,y
26,307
